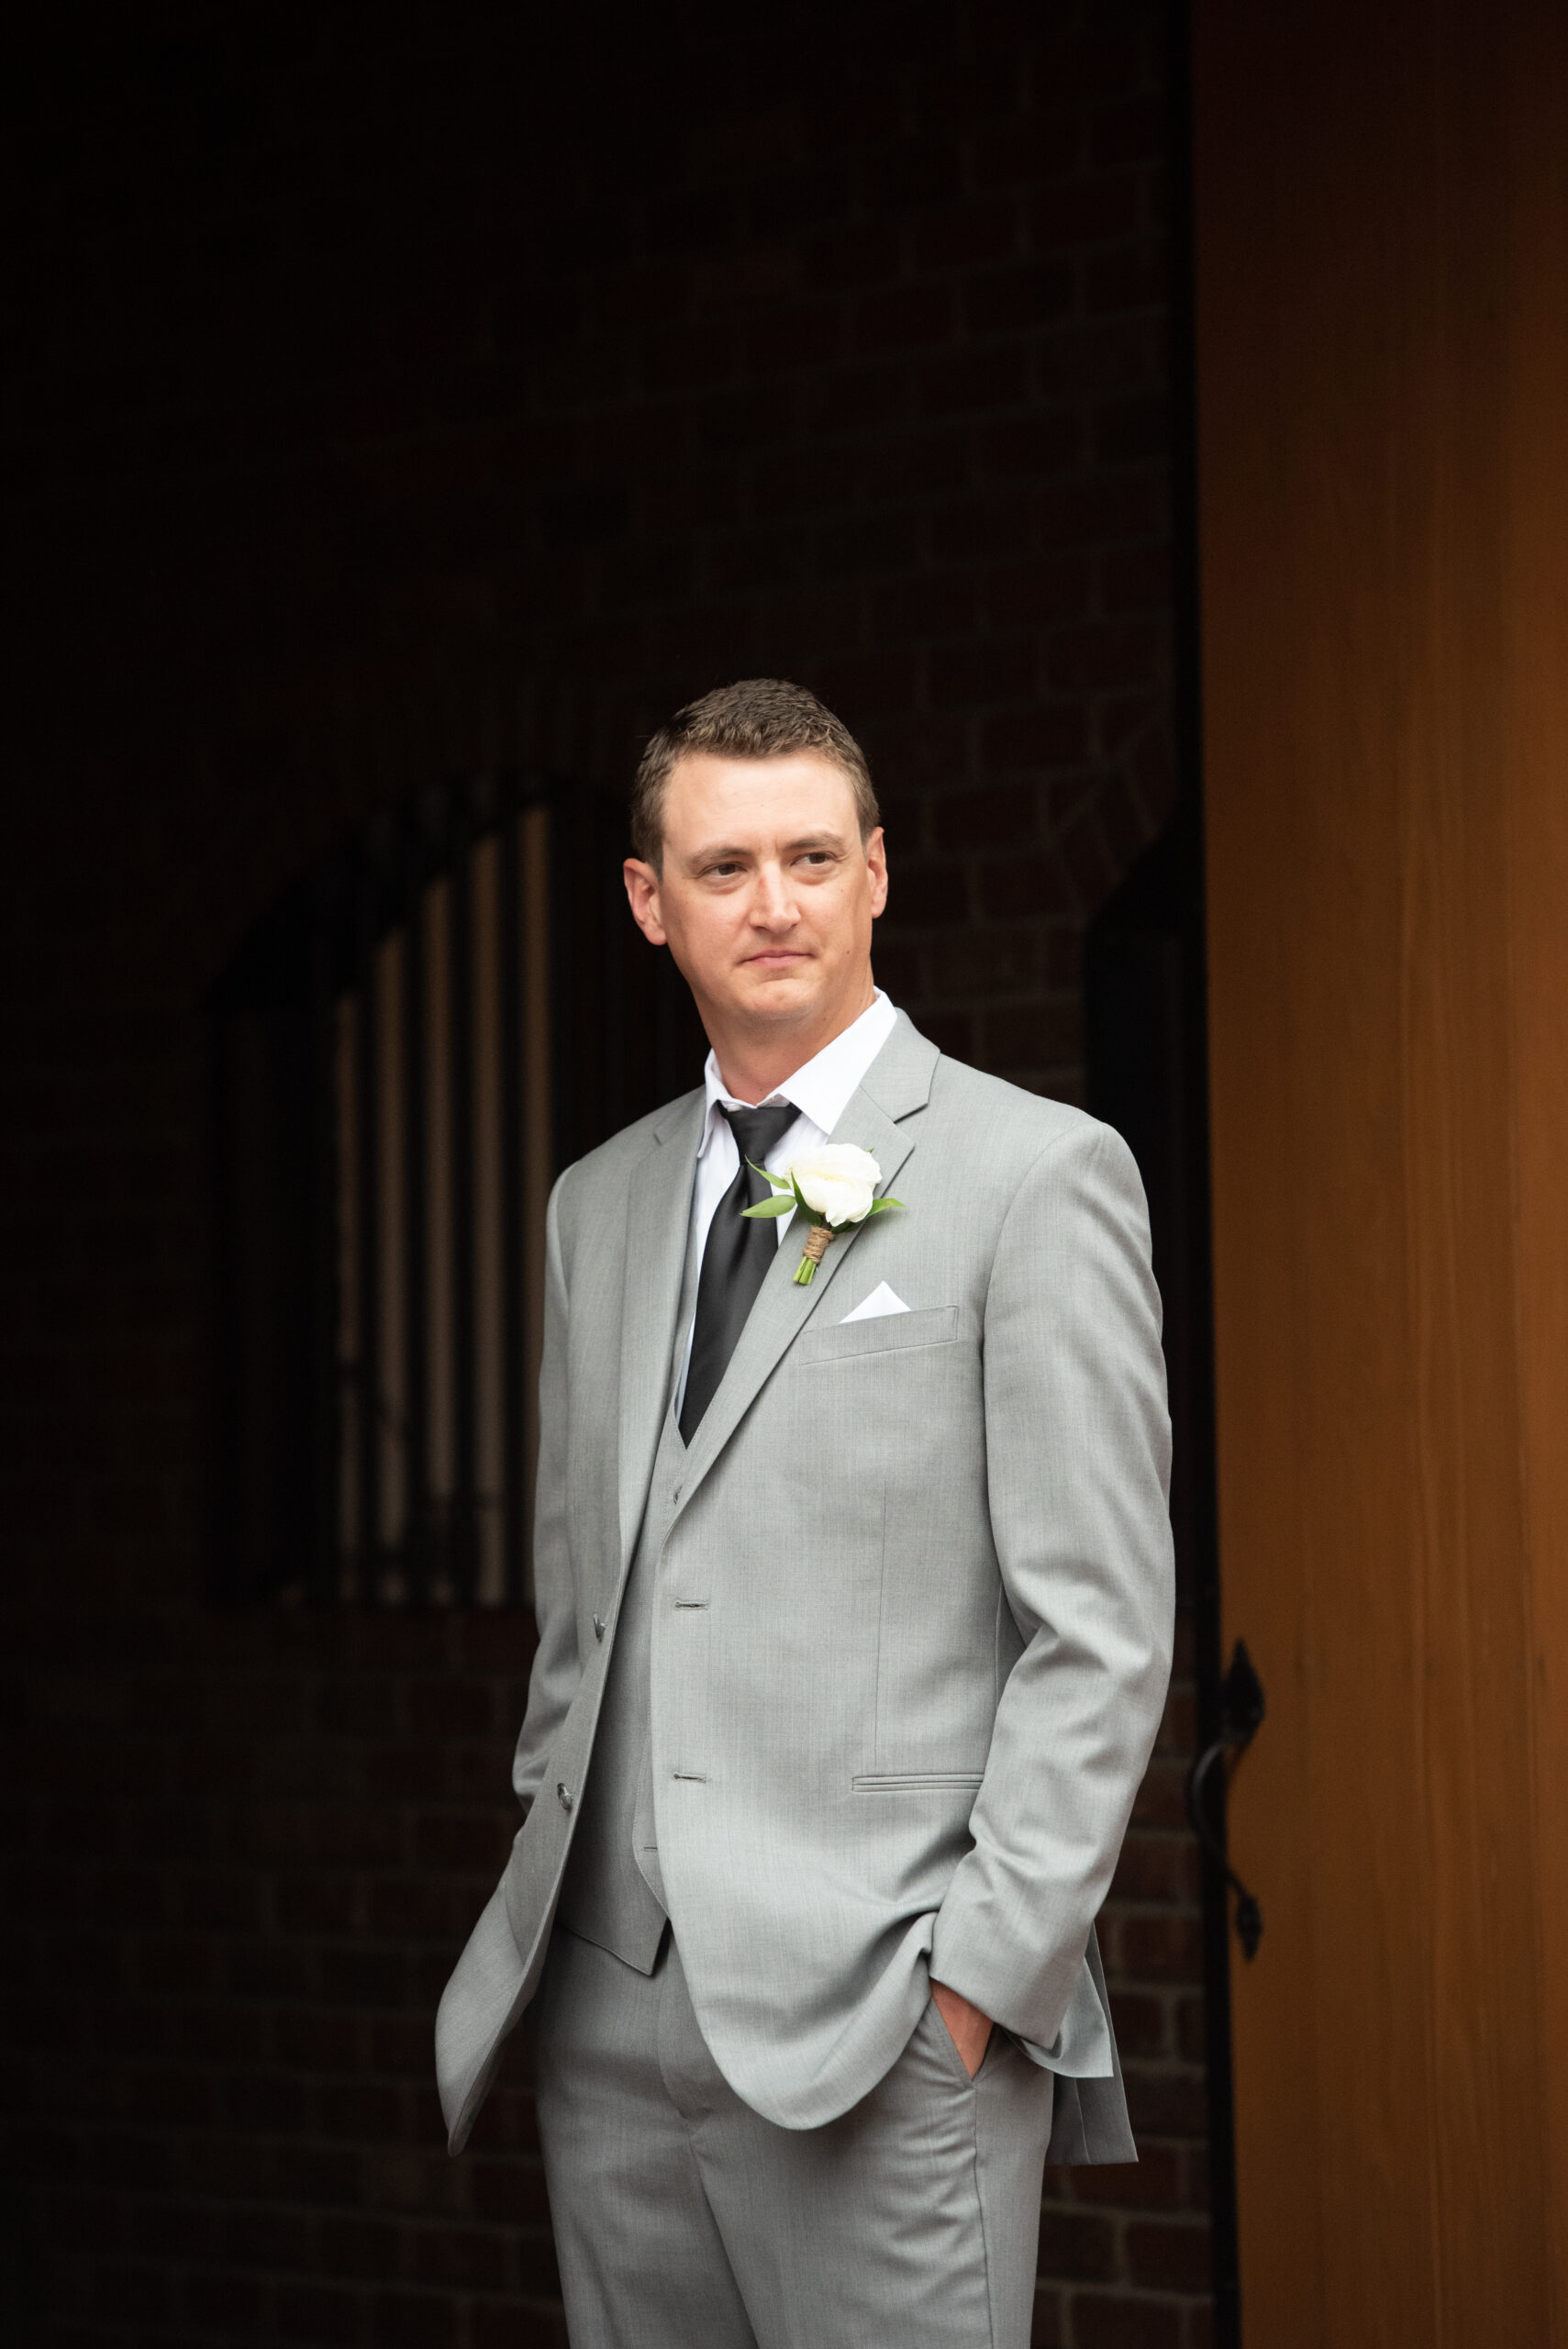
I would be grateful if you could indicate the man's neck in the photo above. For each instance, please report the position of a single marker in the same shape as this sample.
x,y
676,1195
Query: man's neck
x,y
753,1062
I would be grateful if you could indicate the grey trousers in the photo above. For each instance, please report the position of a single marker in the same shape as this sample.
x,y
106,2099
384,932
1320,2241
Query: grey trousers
x,y
685,2220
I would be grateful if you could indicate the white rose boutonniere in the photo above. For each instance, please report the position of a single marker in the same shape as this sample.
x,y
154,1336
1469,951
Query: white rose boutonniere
x,y
835,1184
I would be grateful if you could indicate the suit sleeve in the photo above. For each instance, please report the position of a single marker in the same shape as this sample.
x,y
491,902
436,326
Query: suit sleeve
x,y
1078,1475
557,1665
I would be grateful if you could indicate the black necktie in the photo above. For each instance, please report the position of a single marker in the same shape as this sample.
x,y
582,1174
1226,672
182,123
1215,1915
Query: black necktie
x,y
734,1260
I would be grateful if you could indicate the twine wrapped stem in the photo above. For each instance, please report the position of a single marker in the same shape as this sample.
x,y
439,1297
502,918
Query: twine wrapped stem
x,y
816,1245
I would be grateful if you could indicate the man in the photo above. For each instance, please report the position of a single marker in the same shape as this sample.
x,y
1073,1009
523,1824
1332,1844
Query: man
x,y
855,1609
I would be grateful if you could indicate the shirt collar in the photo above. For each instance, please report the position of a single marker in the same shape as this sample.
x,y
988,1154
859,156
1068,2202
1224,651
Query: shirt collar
x,y
822,1089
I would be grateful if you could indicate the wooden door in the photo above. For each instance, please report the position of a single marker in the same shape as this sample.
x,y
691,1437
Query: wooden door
x,y
1381,208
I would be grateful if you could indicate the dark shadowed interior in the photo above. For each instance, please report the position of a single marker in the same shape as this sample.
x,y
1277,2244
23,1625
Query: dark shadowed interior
x,y
398,418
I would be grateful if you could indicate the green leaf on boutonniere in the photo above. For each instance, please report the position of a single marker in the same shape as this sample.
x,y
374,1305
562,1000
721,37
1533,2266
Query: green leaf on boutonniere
x,y
877,1206
771,1206
779,1182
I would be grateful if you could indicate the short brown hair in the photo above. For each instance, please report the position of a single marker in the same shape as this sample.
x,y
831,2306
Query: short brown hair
x,y
760,717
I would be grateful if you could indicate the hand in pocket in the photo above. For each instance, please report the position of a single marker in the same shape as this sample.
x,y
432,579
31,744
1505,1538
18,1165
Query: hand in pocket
x,y
969,2030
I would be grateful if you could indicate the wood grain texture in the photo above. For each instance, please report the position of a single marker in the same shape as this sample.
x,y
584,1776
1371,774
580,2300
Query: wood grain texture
x,y
1383,279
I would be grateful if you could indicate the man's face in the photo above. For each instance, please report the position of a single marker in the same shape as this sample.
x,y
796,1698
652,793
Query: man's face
x,y
767,896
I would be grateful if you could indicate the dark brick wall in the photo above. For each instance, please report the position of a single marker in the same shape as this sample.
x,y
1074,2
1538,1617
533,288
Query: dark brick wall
x,y
381,402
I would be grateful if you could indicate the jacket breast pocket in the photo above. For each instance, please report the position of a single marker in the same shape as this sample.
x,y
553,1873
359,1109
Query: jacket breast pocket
x,y
885,1334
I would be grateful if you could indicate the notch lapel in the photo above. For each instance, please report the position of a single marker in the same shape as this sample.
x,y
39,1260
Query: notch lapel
x,y
900,1078
658,1214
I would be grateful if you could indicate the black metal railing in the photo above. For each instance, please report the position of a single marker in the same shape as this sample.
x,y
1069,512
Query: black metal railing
x,y
405,1049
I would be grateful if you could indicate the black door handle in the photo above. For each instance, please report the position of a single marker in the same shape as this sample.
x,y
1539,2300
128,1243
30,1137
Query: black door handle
x,y
1241,1710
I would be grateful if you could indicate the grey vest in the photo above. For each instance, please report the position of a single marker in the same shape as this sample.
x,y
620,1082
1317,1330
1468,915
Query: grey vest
x,y
612,1892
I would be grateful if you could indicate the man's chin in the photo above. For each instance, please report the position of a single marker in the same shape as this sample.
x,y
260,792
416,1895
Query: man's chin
x,y
782,994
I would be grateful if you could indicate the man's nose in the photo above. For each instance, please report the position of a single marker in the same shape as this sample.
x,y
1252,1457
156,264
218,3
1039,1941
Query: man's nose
x,y
774,903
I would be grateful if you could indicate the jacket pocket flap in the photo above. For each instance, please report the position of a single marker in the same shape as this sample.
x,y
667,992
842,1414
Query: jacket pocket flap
x,y
893,1782
938,1326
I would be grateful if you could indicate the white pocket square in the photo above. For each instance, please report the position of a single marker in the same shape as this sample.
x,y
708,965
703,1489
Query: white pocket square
x,y
882,1300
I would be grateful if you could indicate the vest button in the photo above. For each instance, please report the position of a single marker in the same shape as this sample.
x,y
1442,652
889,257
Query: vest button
x,y
599,1627
564,1796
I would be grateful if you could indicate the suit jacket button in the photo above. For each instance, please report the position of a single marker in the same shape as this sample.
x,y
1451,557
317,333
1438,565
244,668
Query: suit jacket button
x,y
563,1795
599,1627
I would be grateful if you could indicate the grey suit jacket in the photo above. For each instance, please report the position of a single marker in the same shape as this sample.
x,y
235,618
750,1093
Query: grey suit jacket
x,y
914,1612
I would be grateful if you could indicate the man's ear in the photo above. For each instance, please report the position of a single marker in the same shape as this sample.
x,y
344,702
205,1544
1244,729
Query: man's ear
x,y
642,895
876,864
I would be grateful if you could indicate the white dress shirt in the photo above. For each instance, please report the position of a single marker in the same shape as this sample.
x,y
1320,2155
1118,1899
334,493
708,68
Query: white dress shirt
x,y
821,1091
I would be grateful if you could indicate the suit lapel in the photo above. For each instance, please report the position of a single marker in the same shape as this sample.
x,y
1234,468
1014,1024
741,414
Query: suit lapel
x,y
658,1213
898,1083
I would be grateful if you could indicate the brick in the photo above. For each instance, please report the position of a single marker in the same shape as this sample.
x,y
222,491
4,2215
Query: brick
x,y
134,2292
1100,653
1165,2104
1078,2247
275,2240
1157,1868
965,234
1136,579
929,895
1089,512
1031,1035
359,2246
1003,816
1141,2022
903,317
315,2316
937,604
979,963
951,1033
969,381
1023,884
914,463
413,2321
498,2327
450,1707
1165,1948
537,2272
790,336
1015,300
1070,214
1129,277
1128,430
1128,131
1034,447
455,1839
224,2304
987,527
264,2100
363,2108
462,2256
695,220
316,1904
1178,1726
1192,2030
992,668
1046,734
1047,2329
1153,2182
861,253
1023,150
1110,59
1169,2258
1114,2321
